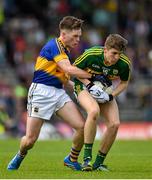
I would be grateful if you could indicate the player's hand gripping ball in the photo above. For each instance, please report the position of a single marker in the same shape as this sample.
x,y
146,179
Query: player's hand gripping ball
x,y
103,82
107,89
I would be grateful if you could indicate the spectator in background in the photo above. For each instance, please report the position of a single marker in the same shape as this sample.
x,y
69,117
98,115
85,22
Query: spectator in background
x,y
2,52
6,123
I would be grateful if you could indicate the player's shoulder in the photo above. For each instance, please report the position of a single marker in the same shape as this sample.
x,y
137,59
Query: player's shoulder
x,y
89,53
124,59
94,50
54,46
54,43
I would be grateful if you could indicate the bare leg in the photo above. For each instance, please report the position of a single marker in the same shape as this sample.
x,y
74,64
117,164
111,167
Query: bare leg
x,y
92,108
111,115
27,142
70,114
32,132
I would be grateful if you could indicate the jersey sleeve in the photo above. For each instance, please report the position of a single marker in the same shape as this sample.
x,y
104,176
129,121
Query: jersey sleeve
x,y
84,60
80,62
53,51
87,58
125,73
60,57
58,52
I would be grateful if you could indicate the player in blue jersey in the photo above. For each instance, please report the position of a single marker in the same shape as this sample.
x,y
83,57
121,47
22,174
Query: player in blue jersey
x,y
47,95
109,63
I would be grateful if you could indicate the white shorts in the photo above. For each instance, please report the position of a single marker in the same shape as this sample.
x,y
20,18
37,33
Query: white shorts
x,y
44,100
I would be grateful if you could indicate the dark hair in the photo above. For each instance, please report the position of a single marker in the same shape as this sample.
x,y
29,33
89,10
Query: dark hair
x,y
70,23
116,41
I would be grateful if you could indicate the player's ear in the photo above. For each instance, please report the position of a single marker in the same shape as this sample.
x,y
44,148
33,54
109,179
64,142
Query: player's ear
x,y
105,49
63,33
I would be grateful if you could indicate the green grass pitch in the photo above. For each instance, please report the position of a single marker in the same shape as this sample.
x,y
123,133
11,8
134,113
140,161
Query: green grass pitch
x,y
127,160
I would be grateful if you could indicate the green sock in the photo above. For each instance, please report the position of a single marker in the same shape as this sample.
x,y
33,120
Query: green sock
x,y
99,158
87,151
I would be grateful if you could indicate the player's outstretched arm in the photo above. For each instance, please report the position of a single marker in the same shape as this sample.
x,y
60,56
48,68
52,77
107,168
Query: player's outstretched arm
x,y
72,70
120,88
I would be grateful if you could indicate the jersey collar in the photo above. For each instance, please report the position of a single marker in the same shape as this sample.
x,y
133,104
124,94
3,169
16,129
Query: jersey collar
x,y
63,44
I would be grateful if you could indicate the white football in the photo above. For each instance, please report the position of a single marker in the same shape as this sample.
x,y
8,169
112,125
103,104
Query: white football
x,y
107,89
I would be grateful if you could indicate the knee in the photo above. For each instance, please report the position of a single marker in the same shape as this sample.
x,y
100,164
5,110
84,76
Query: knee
x,y
94,113
81,128
114,126
81,131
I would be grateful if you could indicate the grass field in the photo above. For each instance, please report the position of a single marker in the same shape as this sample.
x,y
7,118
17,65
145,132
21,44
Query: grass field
x,y
127,160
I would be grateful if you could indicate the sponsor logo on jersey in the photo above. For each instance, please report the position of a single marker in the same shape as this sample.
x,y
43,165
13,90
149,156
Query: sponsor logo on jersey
x,y
96,66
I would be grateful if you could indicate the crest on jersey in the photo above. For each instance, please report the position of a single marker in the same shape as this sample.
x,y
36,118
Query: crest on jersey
x,y
115,71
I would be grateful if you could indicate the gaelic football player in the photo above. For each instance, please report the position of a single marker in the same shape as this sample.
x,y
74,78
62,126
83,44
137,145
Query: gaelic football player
x,y
111,62
47,95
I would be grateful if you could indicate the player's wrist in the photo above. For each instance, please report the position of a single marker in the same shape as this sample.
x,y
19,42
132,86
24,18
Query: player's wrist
x,y
110,97
89,85
92,77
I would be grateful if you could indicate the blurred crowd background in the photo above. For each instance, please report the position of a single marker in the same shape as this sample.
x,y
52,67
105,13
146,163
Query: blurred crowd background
x,y
25,25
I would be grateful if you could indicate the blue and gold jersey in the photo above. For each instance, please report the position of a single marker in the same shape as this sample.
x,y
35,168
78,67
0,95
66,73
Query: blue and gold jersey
x,y
46,70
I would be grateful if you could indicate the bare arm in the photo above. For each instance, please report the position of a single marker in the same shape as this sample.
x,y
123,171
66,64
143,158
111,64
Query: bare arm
x,y
121,87
66,66
84,81
69,85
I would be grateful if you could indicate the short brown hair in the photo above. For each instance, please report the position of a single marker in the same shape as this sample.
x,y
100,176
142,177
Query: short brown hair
x,y
116,41
70,23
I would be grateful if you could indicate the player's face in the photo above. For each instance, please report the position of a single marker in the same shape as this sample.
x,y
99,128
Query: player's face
x,y
71,38
111,56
